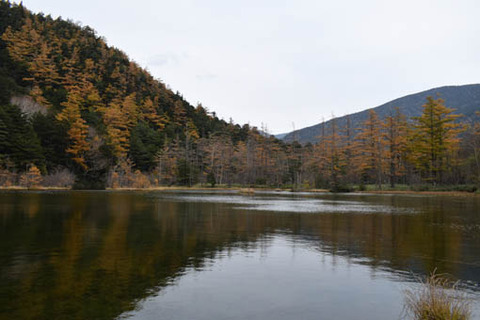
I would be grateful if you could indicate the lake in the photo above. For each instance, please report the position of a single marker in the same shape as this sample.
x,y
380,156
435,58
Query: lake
x,y
223,255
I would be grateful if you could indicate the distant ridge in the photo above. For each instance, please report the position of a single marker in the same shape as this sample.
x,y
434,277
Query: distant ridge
x,y
464,99
281,135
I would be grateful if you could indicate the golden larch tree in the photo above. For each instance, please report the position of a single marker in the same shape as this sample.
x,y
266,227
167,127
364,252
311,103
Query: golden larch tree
x,y
435,136
370,150
31,178
78,128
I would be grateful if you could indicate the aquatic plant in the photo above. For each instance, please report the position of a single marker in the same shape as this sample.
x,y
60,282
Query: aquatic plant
x,y
438,298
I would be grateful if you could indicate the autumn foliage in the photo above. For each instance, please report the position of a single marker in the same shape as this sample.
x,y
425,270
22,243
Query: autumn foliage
x,y
110,123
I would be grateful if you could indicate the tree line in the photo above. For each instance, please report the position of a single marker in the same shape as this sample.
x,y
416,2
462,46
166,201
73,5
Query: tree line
x,y
432,149
75,111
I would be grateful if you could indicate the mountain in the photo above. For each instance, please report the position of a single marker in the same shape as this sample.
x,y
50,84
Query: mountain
x,y
464,99
68,100
281,135
75,112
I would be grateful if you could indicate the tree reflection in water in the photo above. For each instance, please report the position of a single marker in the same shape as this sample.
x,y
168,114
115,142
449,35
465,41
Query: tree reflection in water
x,y
94,255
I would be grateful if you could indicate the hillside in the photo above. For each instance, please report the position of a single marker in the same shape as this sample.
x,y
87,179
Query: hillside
x,y
68,100
464,99
75,112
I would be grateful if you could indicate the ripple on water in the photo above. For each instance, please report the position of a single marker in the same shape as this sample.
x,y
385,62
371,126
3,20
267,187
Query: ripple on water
x,y
299,205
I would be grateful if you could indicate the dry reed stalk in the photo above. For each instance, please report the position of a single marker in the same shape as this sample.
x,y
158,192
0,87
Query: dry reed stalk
x,y
437,299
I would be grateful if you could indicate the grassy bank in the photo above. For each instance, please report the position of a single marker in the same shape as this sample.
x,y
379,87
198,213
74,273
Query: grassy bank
x,y
421,188
460,190
37,188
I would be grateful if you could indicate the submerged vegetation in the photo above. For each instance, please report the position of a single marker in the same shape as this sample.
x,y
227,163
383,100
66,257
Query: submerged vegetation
x,y
437,299
79,110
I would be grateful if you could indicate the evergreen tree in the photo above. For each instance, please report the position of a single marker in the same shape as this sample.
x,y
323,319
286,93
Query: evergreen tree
x,y
21,144
145,143
53,138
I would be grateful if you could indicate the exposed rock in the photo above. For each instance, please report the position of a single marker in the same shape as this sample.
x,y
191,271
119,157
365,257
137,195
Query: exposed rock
x,y
28,105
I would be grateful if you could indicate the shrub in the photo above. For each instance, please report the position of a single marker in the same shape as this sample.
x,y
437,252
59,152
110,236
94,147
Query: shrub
x,y
341,188
60,177
140,180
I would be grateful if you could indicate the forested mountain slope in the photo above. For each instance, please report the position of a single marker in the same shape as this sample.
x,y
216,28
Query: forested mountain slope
x,y
85,105
464,99
77,112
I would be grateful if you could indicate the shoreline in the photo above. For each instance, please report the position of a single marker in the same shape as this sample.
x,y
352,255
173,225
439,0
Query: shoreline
x,y
428,193
246,190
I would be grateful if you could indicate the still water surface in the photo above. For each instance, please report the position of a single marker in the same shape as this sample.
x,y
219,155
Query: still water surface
x,y
193,255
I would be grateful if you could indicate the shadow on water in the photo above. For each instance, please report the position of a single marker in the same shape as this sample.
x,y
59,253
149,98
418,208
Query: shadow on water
x,y
95,255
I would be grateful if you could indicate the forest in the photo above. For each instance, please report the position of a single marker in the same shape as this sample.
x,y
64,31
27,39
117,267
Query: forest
x,y
75,112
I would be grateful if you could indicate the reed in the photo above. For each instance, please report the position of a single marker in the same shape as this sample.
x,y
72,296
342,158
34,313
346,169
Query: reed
x,y
437,299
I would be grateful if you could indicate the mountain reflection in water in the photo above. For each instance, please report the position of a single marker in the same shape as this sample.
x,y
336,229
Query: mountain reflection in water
x,y
99,255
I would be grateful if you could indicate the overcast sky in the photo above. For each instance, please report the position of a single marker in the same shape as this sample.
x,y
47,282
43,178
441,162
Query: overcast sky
x,y
280,62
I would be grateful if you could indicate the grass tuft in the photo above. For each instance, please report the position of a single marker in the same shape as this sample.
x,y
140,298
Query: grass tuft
x,y
437,299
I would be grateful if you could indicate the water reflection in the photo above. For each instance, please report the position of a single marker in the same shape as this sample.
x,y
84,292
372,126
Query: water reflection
x,y
96,255
224,289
